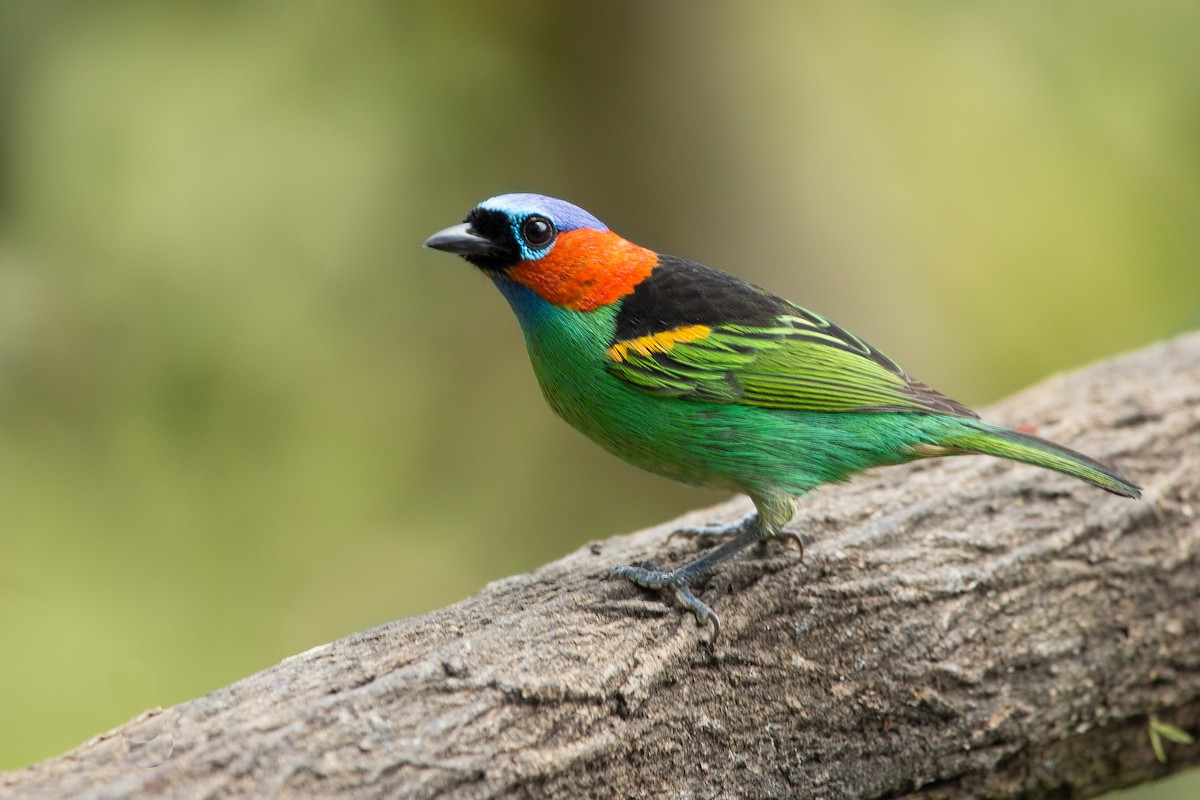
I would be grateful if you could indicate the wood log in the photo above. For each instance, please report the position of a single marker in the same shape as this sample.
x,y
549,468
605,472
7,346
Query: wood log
x,y
962,627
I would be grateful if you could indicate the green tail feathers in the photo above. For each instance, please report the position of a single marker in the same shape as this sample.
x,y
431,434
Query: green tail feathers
x,y
992,440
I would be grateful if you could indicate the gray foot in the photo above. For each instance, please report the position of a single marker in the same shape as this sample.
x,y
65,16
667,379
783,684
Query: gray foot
x,y
712,534
677,583
772,513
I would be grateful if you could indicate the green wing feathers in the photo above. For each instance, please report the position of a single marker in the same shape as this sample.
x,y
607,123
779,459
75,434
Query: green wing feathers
x,y
799,361
802,362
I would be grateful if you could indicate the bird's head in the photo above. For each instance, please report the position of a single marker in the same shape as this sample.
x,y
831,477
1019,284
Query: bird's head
x,y
557,250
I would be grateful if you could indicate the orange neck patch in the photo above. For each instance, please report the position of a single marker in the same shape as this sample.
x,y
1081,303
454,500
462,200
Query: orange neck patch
x,y
586,269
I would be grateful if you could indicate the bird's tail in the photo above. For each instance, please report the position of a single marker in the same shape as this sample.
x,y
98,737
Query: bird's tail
x,y
979,437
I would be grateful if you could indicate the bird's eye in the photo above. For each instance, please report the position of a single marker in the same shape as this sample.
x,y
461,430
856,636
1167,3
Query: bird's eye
x,y
537,231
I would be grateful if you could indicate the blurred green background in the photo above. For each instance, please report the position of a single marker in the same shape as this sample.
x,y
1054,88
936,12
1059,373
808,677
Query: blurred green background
x,y
242,412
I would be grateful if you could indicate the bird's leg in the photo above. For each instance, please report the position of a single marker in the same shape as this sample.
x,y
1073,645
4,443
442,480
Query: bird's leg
x,y
771,515
710,533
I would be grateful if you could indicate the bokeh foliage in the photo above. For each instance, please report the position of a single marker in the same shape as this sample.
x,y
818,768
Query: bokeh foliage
x,y
242,412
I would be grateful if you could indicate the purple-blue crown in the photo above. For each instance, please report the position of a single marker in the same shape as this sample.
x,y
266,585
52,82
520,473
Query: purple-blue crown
x,y
564,215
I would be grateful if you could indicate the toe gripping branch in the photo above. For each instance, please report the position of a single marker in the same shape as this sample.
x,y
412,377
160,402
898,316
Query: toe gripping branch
x,y
711,534
678,582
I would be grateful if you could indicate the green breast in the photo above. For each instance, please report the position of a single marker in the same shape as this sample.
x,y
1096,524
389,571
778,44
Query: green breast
x,y
721,445
567,351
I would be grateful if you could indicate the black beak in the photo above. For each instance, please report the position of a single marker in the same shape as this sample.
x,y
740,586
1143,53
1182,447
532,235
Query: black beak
x,y
462,240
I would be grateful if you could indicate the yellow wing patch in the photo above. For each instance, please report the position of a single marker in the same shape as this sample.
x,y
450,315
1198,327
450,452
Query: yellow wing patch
x,y
661,342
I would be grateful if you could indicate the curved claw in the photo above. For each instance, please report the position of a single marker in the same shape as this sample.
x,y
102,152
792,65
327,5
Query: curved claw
x,y
701,608
719,532
792,537
677,583
745,532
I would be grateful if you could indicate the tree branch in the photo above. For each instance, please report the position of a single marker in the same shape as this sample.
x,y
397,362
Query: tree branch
x,y
961,627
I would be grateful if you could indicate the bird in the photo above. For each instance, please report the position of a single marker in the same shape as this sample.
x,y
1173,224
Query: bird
x,y
697,375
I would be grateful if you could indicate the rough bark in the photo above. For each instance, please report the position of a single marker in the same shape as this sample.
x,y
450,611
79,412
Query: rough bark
x,y
959,627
